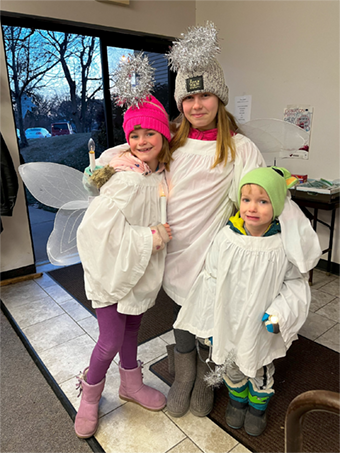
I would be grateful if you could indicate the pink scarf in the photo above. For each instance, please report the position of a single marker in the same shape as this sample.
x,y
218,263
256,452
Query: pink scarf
x,y
208,136
128,162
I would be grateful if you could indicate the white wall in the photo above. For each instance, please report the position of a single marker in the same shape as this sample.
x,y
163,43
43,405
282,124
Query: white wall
x,y
285,52
163,18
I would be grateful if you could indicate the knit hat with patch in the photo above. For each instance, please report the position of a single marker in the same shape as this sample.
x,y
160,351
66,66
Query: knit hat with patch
x,y
150,114
274,180
202,80
193,56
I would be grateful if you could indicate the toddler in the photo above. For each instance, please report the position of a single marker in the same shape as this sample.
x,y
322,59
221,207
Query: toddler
x,y
249,299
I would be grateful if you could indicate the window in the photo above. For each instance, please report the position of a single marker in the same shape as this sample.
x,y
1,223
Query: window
x,y
59,76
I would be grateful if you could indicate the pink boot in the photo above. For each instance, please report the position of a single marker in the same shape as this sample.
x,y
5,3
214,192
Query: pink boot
x,y
86,421
132,389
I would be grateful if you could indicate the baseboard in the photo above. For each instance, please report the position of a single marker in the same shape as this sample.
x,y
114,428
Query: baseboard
x,y
23,278
335,267
20,272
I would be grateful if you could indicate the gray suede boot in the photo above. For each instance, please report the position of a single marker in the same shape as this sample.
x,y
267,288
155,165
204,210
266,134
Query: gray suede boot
x,y
179,394
170,348
202,397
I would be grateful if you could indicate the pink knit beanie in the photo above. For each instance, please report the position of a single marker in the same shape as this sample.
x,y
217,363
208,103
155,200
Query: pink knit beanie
x,y
150,114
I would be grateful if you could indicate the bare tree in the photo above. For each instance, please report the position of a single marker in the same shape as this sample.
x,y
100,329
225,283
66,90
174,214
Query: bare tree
x,y
86,54
76,55
28,61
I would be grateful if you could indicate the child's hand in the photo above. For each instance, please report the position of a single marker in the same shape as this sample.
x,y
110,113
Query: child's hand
x,y
271,322
161,235
89,172
168,229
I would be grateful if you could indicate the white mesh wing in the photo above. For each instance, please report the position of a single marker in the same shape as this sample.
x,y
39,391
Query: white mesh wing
x,y
62,243
276,138
53,184
60,187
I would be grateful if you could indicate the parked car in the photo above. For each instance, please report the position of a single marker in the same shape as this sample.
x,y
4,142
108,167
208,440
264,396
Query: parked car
x,y
61,128
37,132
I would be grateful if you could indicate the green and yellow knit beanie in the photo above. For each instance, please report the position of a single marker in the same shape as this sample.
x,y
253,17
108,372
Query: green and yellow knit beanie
x,y
274,180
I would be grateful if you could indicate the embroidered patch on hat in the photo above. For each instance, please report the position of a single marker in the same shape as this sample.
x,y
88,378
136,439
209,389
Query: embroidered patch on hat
x,y
194,83
137,126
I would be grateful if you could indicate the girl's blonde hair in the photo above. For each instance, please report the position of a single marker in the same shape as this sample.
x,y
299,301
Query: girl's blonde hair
x,y
165,155
226,126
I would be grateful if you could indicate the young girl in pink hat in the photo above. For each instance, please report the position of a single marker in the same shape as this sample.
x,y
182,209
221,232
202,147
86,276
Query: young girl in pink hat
x,y
121,243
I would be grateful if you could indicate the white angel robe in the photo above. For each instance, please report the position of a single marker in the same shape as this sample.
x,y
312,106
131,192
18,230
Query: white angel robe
x,y
200,202
243,278
114,242
202,199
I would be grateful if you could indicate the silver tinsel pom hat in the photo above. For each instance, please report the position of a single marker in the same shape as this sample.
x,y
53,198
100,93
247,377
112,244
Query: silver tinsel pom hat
x,y
133,82
193,56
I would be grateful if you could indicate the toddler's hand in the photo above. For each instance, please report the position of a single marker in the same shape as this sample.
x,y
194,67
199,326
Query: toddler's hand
x,y
271,322
168,230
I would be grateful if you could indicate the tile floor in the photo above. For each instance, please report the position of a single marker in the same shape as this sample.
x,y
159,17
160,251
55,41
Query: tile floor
x,y
63,334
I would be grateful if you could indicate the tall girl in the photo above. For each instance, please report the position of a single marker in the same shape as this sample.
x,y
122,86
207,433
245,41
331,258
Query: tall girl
x,y
121,243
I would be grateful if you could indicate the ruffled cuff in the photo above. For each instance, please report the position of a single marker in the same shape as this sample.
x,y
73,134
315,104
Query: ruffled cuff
x,y
159,238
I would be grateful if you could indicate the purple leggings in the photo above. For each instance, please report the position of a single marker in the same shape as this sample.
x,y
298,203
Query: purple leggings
x,y
117,333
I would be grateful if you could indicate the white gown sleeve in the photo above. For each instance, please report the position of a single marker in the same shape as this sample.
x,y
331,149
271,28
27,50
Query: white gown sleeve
x,y
114,253
300,241
291,305
197,312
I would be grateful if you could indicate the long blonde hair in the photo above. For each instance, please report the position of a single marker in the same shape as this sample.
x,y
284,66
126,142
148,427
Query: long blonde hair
x,y
165,154
226,126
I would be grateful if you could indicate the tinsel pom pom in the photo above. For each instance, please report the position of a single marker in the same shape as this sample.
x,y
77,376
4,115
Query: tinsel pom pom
x,y
133,80
215,377
195,49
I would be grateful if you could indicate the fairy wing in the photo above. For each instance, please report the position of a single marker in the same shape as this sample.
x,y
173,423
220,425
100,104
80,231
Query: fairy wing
x,y
60,187
62,243
277,138
53,184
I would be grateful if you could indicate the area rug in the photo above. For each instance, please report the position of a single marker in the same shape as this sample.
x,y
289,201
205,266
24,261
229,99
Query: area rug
x,y
307,366
156,321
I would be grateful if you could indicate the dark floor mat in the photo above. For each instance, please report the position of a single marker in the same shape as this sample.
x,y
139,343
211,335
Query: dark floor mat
x,y
307,366
156,321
